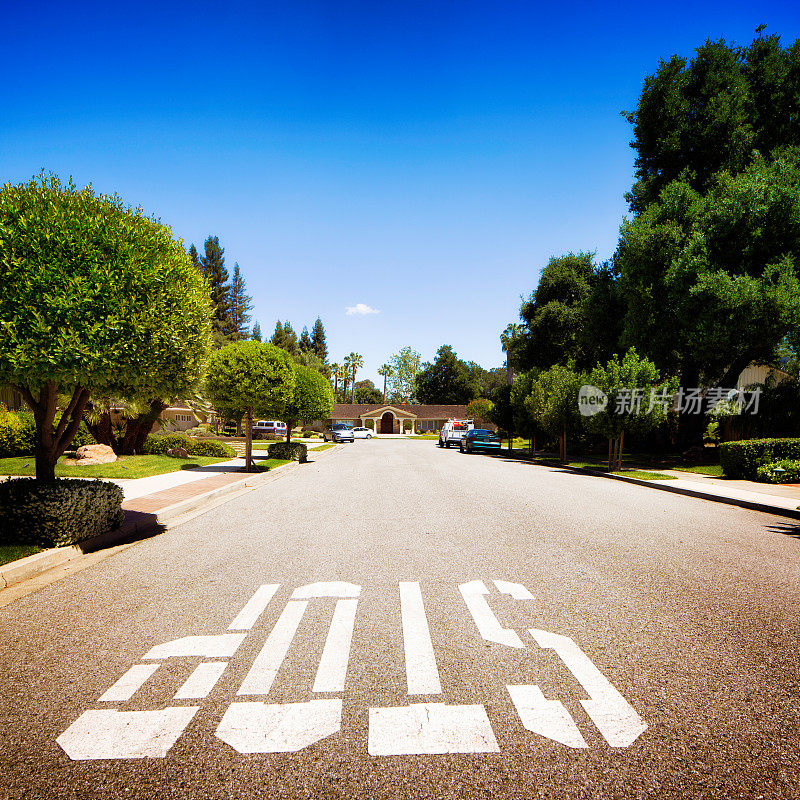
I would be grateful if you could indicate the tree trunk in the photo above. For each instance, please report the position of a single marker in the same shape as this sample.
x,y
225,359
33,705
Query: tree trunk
x,y
610,463
289,425
248,447
145,425
51,439
384,388
619,449
354,385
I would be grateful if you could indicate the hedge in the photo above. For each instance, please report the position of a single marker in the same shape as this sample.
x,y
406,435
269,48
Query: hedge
x,y
292,451
57,513
742,459
158,444
18,434
790,474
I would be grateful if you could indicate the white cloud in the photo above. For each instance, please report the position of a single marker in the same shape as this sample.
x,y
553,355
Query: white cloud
x,y
362,309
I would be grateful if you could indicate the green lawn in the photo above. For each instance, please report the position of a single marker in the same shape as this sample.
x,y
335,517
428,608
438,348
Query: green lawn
x,y
320,447
266,464
11,552
263,445
123,467
715,470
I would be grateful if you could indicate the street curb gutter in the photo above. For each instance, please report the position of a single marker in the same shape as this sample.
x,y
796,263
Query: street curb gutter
x,y
139,525
665,487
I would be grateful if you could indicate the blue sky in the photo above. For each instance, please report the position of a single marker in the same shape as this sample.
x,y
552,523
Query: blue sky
x,y
424,159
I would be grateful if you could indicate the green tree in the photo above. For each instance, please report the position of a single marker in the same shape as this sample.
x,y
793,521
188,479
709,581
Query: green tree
x,y
240,305
305,341
318,341
347,368
638,400
715,112
278,338
356,361
195,259
367,393
509,340
247,379
480,409
213,264
336,374
405,367
524,409
95,297
445,381
256,334
311,398
553,403
502,413
290,339
385,372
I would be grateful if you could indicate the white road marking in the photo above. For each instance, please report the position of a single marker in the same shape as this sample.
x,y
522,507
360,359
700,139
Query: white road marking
x,y
129,683
327,589
287,728
485,620
202,680
332,669
254,607
422,675
516,590
430,728
548,718
609,710
125,734
224,645
261,675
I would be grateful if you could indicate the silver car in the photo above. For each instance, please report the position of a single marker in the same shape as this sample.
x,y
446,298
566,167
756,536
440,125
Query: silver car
x,y
338,432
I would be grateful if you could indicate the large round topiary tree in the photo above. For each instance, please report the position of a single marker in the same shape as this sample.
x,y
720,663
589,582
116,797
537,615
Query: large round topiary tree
x,y
250,378
312,398
94,297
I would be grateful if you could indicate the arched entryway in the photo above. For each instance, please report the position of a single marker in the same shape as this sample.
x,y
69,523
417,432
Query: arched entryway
x,y
387,422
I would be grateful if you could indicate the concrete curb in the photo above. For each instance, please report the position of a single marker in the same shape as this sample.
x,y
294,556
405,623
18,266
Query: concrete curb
x,y
664,486
139,525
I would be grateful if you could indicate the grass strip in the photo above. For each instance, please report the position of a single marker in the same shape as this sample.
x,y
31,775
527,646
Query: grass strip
x,y
123,467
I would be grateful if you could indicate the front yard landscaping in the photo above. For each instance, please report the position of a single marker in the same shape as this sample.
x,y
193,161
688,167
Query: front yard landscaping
x,y
123,467
266,464
12,552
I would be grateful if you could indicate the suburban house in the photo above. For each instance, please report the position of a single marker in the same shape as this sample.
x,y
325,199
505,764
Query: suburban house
x,y
396,418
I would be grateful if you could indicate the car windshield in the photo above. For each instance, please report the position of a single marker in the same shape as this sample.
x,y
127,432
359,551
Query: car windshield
x,y
340,427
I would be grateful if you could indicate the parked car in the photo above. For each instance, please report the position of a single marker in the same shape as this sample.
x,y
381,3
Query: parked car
x,y
480,441
270,426
362,433
338,432
453,431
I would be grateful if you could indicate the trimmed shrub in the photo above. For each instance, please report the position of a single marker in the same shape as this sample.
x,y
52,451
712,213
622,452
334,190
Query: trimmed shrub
x,y
18,434
158,444
10,434
742,459
790,474
62,512
293,451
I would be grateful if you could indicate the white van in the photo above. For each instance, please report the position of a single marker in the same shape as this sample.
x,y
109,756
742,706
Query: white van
x,y
270,426
454,430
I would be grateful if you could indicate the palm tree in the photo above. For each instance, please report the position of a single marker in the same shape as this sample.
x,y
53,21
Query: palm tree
x,y
346,367
356,362
335,371
508,339
386,371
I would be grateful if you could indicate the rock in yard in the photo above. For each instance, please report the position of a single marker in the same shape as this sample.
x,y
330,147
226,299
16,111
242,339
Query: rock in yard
x,y
177,452
94,454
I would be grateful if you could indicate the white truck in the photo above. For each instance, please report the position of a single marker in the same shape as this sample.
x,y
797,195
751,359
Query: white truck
x,y
454,430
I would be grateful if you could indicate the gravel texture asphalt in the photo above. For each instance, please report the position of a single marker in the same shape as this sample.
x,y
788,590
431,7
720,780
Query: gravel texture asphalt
x,y
688,608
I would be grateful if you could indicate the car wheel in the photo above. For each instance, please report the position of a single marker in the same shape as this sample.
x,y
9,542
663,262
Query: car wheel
x,y
461,448
447,445
369,436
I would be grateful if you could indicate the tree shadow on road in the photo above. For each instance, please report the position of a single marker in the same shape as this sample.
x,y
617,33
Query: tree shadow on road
x,y
786,528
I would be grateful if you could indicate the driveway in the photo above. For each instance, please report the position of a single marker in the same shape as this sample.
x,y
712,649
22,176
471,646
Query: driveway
x,y
399,620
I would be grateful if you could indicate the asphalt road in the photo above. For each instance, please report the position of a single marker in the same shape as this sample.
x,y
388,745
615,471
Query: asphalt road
x,y
673,619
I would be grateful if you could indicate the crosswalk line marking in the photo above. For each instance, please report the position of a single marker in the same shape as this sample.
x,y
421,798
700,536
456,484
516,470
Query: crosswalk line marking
x,y
256,727
262,674
516,590
430,729
485,620
125,734
548,718
614,717
332,669
129,683
202,680
254,607
422,674
223,645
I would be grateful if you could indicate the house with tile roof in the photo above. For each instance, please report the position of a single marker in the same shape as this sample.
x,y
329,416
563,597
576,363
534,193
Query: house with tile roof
x,y
396,418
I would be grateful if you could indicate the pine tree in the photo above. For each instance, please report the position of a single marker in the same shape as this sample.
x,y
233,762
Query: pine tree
x,y
305,341
240,305
195,259
318,343
290,339
256,335
278,338
213,264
